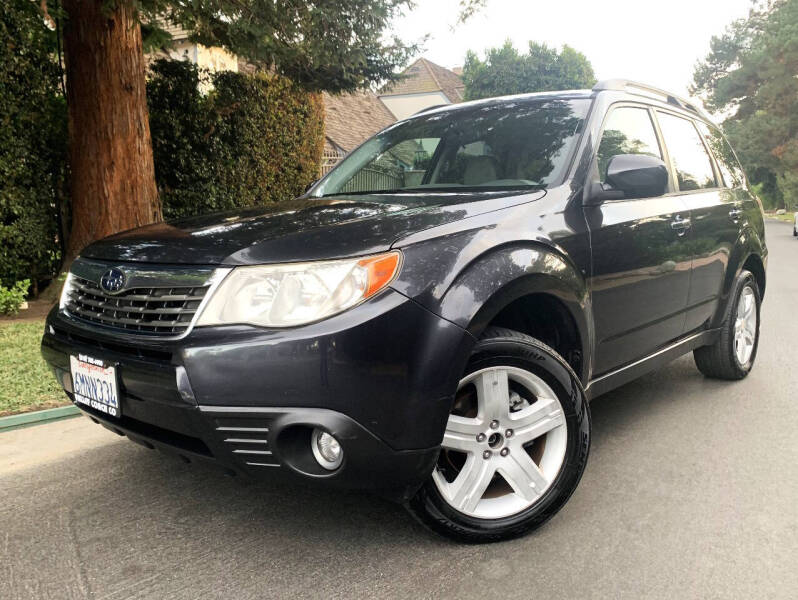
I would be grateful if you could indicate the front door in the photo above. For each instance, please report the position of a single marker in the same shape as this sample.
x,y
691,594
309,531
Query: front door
x,y
641,257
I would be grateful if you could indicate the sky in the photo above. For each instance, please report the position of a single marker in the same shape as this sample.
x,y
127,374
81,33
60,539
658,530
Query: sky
x,y
657,43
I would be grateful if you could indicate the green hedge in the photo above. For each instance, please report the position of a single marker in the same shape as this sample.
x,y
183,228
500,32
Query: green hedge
x,y
252,139
249,140
33,147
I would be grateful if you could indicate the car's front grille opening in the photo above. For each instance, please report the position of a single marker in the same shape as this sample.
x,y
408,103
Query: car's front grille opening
x,y
152,432
153,310
161,356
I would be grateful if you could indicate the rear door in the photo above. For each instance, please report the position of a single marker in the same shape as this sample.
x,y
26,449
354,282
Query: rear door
x,y
716,212
641,257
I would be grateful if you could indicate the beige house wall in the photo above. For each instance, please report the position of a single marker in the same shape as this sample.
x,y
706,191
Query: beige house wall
x,y
406,105
210,59
216,59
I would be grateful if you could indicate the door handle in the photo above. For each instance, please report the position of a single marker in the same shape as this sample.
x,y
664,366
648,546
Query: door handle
x,y
680,224
735,214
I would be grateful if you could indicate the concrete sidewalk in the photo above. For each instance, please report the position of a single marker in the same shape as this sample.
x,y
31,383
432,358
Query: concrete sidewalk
x,y
39,445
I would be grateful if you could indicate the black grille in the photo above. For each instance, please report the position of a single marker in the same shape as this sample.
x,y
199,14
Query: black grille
x,y
152,432
150,310
139,352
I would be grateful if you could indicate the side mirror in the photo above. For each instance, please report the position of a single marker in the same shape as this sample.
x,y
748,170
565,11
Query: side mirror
x,y
310,186
638,175
632,176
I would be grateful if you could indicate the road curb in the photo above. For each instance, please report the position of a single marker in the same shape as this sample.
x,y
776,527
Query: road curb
x,y
38,417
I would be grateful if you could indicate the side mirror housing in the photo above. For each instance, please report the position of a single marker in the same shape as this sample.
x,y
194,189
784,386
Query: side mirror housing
x,y
632,176
638,175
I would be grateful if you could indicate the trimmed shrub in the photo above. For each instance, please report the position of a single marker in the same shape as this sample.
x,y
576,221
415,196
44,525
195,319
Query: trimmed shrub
x,y
252,139
33,151
11,298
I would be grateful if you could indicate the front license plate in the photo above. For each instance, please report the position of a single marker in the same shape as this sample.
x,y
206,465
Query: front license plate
x,y
94,384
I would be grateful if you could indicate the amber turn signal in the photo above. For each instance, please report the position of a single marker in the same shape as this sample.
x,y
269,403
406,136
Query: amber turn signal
x,y
381,270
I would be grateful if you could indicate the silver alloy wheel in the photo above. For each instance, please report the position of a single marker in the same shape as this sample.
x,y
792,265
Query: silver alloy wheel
x,y
515,411
745,326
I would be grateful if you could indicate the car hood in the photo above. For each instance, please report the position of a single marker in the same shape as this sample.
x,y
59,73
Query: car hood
x,y
300,230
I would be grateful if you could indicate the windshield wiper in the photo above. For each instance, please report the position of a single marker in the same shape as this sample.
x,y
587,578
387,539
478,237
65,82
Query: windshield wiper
x,y
479,188
444,189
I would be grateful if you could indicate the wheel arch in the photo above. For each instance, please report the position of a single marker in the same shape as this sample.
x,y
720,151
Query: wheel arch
x,y
498,283
748,253
755,264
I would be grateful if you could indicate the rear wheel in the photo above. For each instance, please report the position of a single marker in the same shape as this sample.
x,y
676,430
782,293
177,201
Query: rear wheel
x,y
515,445
732,355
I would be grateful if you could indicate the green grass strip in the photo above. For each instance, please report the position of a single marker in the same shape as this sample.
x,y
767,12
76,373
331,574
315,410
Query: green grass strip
x,y
26,382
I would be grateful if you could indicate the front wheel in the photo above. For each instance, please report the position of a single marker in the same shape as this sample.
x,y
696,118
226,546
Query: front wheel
x,y
515,446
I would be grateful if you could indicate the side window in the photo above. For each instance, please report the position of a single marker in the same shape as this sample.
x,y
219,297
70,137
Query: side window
x,y
629,130
727,162
690,159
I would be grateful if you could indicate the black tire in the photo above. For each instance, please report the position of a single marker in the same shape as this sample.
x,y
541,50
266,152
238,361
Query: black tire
x,y
794,231
719,360
499,346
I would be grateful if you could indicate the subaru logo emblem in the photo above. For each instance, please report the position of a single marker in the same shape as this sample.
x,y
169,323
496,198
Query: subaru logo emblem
x,y
112,280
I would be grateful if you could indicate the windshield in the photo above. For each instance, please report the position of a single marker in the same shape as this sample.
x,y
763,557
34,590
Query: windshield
x,y
522,144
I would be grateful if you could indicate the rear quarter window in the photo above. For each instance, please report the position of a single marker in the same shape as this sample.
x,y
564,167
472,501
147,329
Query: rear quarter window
x,y
730,169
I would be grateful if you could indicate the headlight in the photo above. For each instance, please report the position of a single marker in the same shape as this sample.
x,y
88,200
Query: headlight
x,y
297,294
65,292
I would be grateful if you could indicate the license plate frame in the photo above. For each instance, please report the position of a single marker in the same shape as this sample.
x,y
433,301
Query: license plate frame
x,y
95,384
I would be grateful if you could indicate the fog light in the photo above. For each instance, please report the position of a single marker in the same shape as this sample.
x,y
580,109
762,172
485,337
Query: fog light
x,y
326,449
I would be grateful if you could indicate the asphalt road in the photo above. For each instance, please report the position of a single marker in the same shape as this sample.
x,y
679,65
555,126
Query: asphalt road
x,y
691,491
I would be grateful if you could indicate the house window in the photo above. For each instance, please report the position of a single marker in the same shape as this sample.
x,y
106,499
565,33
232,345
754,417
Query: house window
x,y
329,158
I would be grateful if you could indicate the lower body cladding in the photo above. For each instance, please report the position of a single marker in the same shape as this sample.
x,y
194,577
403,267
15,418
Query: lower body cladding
x,y
380,379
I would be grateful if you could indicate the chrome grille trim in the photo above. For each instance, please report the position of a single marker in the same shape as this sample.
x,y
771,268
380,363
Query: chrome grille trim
x,y
145,312
261,429
162,302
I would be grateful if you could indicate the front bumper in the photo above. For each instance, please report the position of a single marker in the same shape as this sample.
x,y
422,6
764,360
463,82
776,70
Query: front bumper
x,y
379,377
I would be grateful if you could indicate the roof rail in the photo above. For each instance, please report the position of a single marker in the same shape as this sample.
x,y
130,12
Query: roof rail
x,y
642,89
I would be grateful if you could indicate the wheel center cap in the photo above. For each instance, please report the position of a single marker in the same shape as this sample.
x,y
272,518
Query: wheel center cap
x,y
496,440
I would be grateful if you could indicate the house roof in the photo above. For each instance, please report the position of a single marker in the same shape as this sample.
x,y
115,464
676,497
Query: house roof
x,y
425,76
350,119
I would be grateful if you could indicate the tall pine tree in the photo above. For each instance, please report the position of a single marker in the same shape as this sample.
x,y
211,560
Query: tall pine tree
x,y
751,75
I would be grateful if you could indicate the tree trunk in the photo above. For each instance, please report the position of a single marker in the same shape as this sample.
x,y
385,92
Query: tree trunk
x,y
112,174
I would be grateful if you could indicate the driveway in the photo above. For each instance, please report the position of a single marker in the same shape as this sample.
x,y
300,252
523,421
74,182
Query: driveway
x,y
691,491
